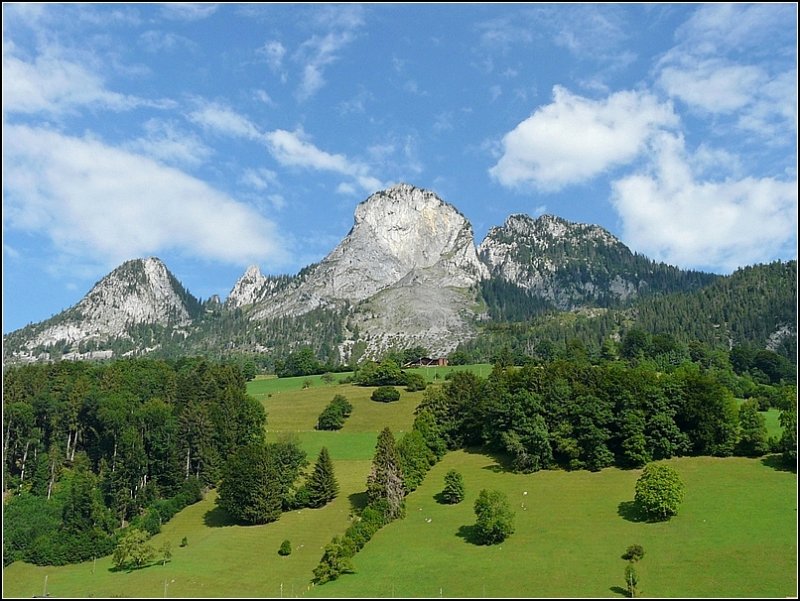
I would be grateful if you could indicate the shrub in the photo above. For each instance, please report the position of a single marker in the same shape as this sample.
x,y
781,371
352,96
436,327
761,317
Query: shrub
x,y
285,549
385,394
634,553
415,382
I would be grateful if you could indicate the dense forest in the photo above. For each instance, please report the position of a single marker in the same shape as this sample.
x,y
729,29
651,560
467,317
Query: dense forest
x,y
88,448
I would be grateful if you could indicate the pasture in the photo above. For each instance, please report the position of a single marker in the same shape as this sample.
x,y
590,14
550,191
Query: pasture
x,y
734,536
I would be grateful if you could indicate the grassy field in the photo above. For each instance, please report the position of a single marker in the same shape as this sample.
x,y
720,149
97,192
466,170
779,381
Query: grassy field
x,y
735,535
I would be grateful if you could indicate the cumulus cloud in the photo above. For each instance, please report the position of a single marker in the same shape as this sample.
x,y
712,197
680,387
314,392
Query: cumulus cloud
x,y
97,202
671,215
574,139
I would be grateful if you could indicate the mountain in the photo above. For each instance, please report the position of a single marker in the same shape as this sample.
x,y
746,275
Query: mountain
x,y
140,292
563,265
407,274
408,269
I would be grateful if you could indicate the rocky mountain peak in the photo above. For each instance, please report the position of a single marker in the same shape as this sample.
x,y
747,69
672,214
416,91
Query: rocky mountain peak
x,y
140,291
248,289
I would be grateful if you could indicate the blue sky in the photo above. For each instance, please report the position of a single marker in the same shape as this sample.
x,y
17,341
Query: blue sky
x,y
219,136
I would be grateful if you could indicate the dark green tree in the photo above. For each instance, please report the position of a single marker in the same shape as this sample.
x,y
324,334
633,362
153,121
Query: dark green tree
x,y
453,487
385,480
495,520
788,442
321,486
285,548
659,491
250,489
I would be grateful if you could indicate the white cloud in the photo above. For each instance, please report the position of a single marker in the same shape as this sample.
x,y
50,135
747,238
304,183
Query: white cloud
x,y
167,143
160,41
259,179
738,27
573,139
316,53
55,85
292,150
713,85
273,52
262,96
188,11
100,203
672,216
225,120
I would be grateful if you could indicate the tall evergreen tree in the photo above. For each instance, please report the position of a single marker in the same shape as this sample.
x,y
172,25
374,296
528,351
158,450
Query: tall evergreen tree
x,y
385,480
321,486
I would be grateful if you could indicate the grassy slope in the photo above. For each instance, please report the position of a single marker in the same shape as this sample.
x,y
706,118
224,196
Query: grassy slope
x,y
735,536
568,540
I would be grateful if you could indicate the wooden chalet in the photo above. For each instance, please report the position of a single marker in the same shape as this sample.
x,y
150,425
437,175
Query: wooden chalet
x,y
427,362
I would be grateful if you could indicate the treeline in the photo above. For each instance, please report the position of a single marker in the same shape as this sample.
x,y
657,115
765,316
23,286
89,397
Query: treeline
x,y
108,445
578,415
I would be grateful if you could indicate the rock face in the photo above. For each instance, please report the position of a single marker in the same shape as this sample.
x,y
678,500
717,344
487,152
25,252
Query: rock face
x,y
408,268
568,264
141,291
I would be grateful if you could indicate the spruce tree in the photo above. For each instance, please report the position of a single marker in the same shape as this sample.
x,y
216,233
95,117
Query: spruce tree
x,y
322,486
385,480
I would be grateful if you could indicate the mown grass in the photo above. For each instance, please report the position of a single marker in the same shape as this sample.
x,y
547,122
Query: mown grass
x,y
735,535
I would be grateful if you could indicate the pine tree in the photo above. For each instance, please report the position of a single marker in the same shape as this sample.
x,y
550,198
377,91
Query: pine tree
x,y
385,480
322,487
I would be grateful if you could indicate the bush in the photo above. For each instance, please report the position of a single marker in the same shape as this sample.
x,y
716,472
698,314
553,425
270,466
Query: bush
x,y
659,491
634,553
385,394
333,416
285,549
415,382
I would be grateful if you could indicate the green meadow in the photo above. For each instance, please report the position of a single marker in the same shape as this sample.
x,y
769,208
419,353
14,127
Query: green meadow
x,y
734,536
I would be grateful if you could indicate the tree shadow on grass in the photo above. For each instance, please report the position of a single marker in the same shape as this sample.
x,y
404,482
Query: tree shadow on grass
x,y
619,590
502,463
469,534
131,568
439,498
358,500
776,462
219,518
629,510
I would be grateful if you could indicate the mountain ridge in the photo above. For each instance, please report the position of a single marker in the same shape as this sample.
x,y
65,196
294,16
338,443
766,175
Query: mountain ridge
x,y
408,273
